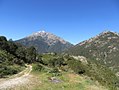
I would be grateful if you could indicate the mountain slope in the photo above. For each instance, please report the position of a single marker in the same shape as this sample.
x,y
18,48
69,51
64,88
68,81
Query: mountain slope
x,y
13,57
103,48
45,42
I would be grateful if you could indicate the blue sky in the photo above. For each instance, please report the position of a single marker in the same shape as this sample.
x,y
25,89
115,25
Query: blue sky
x,y
73,20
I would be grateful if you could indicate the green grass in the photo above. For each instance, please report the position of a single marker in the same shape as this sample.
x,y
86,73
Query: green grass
x,y
69,81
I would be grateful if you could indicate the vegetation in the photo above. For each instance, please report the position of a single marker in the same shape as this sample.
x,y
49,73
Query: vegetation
x,y
13,56
97,72
103,48
67,81
37,67
55,67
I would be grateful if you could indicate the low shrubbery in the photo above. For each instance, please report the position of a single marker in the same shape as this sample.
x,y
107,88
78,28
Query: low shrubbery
x,y
37,67
97,72
8,70
103,75
55,72
77,66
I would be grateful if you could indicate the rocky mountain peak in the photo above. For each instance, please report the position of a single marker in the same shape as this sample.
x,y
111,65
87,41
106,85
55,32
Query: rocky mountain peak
x,y
48,37
39,33
109,32
105,36
45,42
42,31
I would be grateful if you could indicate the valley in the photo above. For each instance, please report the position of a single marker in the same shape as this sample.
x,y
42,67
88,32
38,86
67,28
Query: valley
x,y
89,65
59,44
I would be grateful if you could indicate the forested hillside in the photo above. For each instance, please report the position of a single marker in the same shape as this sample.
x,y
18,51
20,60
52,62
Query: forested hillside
x,y
13,56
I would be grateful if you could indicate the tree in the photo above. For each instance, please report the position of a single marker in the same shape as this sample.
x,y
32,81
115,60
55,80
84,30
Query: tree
x,y
12,47
3,43
58,62
77,66
2,38
21,53
10,40
31,54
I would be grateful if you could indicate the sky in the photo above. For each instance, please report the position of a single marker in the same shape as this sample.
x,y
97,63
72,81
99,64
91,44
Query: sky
x,y
73,20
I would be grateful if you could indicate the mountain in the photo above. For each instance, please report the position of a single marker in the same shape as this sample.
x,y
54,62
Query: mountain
x,y
73,70
45,42
104,49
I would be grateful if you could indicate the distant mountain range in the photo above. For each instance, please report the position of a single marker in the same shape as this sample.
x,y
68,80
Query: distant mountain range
x,y
45,42
97,57
104,49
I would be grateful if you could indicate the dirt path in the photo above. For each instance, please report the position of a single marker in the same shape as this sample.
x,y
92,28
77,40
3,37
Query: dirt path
x,y
17,80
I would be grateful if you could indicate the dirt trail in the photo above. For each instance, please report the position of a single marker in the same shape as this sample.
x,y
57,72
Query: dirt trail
x,y
17,80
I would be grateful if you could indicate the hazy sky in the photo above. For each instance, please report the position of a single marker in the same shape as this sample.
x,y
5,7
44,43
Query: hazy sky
x,y
73,20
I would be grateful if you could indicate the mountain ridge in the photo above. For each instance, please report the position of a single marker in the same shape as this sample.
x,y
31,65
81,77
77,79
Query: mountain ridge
x,y
103,48
49,36
45,42
89,63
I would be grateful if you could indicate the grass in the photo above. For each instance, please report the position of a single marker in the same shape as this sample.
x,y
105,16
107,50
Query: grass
x,y
69,81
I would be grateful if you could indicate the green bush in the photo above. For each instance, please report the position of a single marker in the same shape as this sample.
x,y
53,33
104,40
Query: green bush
x,y
55,72
8,70
77,66
37,67
103,75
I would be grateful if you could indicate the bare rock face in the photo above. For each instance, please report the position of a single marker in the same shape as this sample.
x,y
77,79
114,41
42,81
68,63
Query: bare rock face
x,y
45,42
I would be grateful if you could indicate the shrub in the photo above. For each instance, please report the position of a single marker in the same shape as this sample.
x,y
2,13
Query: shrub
x,y
55,72
8,70
77,66
37,67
